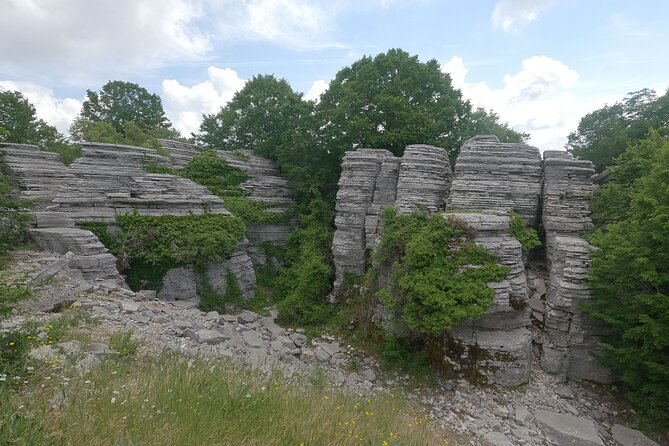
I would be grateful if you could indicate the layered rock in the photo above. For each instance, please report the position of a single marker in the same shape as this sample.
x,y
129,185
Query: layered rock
x,y
355,196
106,181
424,179
372,179
90,256
570,338
501,176
264,184
496,348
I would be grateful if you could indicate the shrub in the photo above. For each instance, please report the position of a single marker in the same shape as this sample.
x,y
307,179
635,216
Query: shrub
x,y
13,214
179,240
528,237
211,300
629,275
124,343
440,273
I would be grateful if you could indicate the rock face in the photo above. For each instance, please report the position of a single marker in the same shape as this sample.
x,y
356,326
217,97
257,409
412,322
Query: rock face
x,y
109,180
372,179
497,348
494,175
570,337
264,184
491,179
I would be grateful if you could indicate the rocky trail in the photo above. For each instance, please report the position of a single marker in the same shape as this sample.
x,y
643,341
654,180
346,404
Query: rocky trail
x,y
547,411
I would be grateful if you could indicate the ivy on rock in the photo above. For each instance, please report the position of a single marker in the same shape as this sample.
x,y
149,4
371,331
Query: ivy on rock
x,y
439,274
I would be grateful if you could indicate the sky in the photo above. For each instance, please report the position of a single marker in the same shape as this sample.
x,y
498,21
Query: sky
x,y
539,64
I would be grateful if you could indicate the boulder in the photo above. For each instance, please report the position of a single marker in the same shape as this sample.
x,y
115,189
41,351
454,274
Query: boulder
x,y
568,430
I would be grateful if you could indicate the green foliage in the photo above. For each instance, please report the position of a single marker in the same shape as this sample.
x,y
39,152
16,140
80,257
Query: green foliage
x,y
14,362
103,131
181,240
213,172
528,237
211,300
124,343
19,122
306,277
10,295
256,118
604,134
439,271
119,103
13,214
629,274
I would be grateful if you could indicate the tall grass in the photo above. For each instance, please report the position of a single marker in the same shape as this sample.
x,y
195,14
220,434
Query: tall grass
x,y
177,400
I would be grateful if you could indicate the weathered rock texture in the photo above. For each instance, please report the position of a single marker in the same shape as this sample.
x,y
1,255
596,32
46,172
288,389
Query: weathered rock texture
x,y
110,179
570,338
497,348
494,175
372,179
491,178
264,184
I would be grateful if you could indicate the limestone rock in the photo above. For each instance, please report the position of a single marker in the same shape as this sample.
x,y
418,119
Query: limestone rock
x,y
499,176
424,179
630,437
179,284
568,430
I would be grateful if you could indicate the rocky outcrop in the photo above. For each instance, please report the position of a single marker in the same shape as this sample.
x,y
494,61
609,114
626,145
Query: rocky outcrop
x,y
90,256
570,338
424,179
372,179
264,184
355,197
500,176
109,180
496,348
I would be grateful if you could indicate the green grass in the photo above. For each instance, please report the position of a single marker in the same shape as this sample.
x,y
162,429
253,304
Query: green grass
x,y
179,400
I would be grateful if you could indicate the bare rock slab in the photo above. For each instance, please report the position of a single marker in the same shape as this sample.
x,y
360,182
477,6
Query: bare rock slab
x,y
209,337
253,339
568,430
630,437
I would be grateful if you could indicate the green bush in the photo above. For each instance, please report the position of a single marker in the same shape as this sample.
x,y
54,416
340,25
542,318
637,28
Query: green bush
x,y
528,237
438,269
629,275
179,240
124,343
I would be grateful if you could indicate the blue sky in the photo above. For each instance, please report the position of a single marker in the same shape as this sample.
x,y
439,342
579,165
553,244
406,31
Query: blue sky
x,y
540,64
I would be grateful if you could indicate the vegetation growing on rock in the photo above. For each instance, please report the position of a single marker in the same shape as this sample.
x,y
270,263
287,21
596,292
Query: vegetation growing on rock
x,y
528,237
440,274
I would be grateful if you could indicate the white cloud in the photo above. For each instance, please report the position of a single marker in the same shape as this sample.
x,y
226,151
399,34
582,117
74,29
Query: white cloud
x,y
57,112
317,89
514,15
540,99
184,105
71,37
297,24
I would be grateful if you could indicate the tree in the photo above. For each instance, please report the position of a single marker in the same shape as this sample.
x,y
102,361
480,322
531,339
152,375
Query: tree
x,y
604,134
19,123
120,102
629,275
482,122
389,102
256,118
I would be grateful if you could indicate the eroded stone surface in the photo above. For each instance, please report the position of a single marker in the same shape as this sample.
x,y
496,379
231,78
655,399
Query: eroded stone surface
x,y
500,176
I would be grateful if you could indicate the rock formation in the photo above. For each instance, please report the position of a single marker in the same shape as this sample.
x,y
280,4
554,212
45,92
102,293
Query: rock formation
x,y
491,179
494,175
110,179
570,338
497,348
373,179
264,184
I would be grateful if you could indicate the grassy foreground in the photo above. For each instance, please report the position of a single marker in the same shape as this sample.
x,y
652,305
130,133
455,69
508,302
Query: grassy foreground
x,y
178,400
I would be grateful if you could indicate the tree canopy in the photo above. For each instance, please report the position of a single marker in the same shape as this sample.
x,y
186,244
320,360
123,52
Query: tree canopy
x,y
19,123
118,103
604,134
